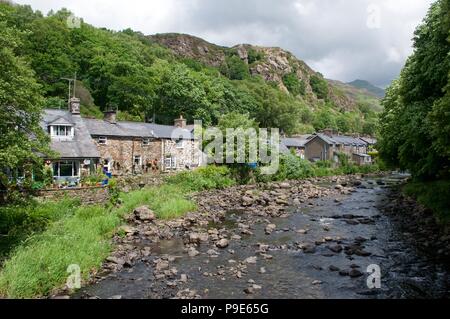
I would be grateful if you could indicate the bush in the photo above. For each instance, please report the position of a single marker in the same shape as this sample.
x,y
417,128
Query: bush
x,y
291,167
434,195
204,178
319,86
294,85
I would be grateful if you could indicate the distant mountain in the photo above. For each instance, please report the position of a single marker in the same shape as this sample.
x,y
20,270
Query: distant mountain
x,y
365,85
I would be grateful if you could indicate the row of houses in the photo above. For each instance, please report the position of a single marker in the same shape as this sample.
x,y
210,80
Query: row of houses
x,y
327,145
86,145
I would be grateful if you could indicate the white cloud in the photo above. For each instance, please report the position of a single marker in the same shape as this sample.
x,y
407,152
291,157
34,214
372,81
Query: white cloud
x,y
330,35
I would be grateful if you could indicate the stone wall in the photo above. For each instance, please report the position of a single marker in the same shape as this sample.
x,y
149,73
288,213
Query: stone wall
x,y
91,195
122,151
186,157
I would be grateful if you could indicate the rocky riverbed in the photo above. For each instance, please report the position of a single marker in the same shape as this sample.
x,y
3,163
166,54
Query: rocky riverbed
x,y
297,239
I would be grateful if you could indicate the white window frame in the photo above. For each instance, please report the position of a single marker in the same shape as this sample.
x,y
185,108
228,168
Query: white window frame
x,y
170,162
102,140
180,144
55,131
135,158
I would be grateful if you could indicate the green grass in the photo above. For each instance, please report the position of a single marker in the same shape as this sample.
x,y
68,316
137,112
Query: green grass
x,y
40,265
70,234
17,222
434,195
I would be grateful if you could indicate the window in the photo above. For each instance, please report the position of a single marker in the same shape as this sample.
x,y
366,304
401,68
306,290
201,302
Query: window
x,y
180,143
170,162
102,140
66,169
146,141
61,131
137,160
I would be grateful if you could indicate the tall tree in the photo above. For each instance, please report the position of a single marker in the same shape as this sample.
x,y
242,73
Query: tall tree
x,y
21,136
414,125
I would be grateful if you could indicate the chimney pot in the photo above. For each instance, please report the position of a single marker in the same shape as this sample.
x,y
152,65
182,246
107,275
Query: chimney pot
x,y
74,105
180,122
110,116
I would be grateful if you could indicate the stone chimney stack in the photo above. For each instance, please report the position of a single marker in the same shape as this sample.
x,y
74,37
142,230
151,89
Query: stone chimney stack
x,y
328,132
110,116
74,105
180,122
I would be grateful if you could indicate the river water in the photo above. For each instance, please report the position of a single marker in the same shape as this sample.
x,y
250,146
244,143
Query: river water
x,y
354,223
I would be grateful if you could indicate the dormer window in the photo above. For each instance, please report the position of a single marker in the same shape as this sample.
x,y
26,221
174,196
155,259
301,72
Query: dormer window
x,y
62,131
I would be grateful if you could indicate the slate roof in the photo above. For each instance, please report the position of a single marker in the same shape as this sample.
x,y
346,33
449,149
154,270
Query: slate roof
x,y
340,140
81,146
298,142
369,140
134,129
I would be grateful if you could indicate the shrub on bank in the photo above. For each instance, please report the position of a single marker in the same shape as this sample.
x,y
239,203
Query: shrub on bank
x,y
434,195
204,178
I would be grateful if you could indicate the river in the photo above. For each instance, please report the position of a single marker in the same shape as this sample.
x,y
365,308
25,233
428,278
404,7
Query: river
x,y
322,249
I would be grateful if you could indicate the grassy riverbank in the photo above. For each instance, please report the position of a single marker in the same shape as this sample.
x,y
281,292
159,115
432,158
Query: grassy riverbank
x,y
53,235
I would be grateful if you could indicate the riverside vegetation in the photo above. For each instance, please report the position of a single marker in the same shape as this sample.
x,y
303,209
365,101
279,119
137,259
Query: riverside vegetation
x,y
415,125
42,239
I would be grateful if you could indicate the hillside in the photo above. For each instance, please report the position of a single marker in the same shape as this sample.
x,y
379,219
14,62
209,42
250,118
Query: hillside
x,y
369,87
157,78
274,65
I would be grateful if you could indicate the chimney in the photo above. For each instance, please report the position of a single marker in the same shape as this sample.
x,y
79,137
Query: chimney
x,y
328,132
110,116
74,105
180,122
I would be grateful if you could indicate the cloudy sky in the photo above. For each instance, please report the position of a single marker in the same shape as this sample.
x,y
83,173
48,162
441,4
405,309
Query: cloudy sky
x,y
343,39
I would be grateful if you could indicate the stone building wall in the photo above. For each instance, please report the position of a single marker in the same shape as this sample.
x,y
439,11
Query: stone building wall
x,y
187,157
122,151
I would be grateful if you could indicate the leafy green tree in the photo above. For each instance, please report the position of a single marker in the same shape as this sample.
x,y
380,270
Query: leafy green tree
x,y
294,85
254,56
235,68
21,136
319,86
414,126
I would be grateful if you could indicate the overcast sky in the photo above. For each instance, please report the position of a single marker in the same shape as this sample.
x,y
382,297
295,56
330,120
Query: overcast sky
x,y
343,39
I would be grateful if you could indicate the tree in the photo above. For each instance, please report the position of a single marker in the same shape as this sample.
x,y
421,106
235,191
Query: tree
x,y
21,136
235,68
294,85
414,126
319,86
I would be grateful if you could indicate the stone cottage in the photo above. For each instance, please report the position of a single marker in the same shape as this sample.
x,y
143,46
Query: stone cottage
x,y
70,138
118,147
326,146
295,144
